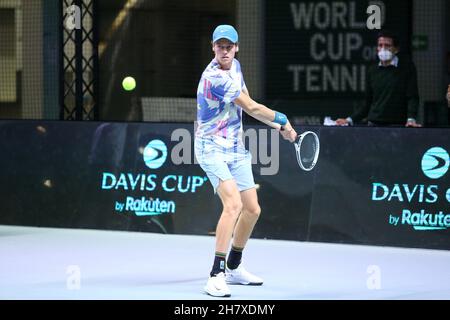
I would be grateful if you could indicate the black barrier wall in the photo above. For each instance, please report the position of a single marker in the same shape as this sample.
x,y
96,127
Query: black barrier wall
x,y
103,176
377,186
386,186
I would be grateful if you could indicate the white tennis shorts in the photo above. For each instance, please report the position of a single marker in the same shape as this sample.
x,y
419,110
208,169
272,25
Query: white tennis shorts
x,y
222,162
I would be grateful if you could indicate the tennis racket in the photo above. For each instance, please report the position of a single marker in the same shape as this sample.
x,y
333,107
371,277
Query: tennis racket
x,y
307,148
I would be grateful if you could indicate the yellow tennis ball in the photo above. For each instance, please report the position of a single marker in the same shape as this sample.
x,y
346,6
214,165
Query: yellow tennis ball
x,y
129,83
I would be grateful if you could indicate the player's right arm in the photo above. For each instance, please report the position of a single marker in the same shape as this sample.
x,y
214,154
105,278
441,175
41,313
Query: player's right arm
x,y
268,116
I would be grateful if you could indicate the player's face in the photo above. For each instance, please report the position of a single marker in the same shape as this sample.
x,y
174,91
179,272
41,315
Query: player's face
x,y
387,44
225,51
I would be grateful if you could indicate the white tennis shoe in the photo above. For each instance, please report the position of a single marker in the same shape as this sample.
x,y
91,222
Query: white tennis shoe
x,y
242,276
217,286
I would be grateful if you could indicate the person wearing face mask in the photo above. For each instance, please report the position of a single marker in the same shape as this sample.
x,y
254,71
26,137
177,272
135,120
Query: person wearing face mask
x,y
392,97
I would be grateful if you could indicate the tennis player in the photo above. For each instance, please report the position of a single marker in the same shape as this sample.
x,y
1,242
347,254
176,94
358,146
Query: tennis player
x,y
221,97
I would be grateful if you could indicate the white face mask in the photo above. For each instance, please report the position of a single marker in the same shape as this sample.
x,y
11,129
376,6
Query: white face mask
x,y
385,55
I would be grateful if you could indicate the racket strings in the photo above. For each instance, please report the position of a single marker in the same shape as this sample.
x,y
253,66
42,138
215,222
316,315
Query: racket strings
x,y
307,151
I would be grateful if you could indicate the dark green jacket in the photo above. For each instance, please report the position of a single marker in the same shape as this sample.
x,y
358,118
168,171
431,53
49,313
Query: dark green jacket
x,y
392,95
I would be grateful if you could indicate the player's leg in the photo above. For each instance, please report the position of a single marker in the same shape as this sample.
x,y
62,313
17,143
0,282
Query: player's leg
x,y
247,219
211,159
232,206
235,272
241,170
